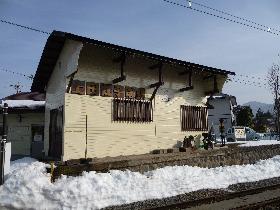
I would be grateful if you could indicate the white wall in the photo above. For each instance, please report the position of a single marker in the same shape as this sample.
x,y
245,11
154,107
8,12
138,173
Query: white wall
x,y
56,87
222,109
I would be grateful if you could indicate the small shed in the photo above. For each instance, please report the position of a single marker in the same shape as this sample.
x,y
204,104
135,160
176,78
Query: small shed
x,y
25,124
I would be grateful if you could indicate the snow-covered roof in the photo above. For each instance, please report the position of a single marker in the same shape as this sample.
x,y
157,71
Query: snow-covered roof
x,y
224,96
29,104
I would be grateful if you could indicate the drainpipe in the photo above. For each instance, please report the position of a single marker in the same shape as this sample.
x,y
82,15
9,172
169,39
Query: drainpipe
x,y
3,143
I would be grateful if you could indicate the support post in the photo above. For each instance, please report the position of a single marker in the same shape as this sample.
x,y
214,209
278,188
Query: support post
x,y
3,143
277,107
86,136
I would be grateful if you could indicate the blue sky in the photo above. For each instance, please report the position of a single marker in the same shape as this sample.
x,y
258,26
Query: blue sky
x,y
152,26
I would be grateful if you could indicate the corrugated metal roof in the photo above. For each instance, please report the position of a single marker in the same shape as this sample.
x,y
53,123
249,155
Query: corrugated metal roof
x,y
56,42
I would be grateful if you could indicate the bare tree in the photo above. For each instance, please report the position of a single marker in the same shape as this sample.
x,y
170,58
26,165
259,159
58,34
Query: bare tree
x,y
273,83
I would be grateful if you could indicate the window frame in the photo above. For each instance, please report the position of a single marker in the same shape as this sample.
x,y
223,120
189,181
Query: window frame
x,y
132,110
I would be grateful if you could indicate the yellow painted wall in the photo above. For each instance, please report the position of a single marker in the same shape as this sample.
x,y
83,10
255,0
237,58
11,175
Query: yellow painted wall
x,y
107,138
19,133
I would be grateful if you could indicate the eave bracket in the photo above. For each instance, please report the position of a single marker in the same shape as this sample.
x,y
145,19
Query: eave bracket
x,y
160,80
121,59
189,85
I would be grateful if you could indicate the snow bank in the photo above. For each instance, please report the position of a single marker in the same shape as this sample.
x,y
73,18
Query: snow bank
x,y
258,143
28,185
23,103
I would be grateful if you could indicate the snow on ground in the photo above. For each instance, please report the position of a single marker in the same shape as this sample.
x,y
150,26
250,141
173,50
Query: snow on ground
x,y
28,185
258,143
23,103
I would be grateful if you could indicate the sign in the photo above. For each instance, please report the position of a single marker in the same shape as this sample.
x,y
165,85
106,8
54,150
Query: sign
x,y
240,133
38,137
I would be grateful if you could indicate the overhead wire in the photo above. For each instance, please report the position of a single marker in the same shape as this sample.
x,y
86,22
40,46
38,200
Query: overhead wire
x,y
221,17
234,16
17,73
246,82
25,27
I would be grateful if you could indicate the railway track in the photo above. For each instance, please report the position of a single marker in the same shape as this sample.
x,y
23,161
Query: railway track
x,y
255,195
245,199
263,200
273,203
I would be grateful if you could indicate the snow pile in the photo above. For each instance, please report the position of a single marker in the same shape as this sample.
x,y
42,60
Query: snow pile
x,y
258,143
23,103
28,185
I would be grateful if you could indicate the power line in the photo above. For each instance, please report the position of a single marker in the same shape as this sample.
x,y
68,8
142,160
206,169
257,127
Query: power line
x,y
240,18
221,17
249,81
25,27
18,73
255,77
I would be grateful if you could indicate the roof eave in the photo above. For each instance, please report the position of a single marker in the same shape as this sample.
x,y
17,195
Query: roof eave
x,y
55,45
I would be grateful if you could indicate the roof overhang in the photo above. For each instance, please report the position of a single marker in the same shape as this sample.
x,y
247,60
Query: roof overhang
x,y
56,42
18,110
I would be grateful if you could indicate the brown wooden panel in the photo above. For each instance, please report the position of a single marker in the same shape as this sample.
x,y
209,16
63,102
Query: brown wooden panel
x,y
140,93
132,110
194,118
119,91
55,133
78,87
130,92
106,90
92,89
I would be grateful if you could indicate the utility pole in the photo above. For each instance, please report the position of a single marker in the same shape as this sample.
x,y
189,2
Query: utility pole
x,y
276,89
3,144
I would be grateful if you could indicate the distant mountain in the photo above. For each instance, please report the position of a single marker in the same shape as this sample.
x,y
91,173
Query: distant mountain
x,y
256,105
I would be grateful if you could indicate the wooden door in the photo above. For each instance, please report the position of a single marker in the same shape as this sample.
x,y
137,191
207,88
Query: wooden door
x,y
55,133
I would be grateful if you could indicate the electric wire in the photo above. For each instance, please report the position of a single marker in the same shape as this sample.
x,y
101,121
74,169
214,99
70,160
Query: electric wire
x,y
234,16
17,73
248,82
221,17
241,81
25,27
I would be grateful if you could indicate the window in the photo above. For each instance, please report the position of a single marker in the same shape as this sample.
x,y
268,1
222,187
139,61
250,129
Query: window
x,y
132,110
37,132
194,118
